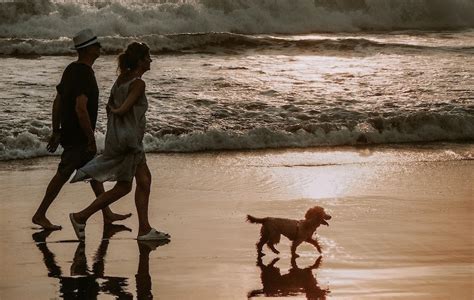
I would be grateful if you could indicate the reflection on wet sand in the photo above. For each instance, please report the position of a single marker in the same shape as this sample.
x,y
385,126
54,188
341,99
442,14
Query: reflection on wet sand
x,y
297,281
88,284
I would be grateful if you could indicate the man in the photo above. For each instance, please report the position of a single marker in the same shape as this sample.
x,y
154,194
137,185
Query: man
x,y
74,118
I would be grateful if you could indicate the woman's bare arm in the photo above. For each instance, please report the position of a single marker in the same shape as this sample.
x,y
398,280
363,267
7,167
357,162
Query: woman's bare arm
x,y
137,88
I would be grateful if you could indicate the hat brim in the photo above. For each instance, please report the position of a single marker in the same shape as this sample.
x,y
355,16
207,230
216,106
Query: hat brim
x,y
86,44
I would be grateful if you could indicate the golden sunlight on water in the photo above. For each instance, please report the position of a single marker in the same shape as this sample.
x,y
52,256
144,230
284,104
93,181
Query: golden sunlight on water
x,y
330,183
332,175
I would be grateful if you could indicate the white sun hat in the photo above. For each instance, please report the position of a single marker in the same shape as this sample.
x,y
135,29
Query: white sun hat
x,y
84,38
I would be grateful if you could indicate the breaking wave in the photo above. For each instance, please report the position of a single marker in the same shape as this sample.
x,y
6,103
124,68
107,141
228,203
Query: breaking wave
x,y
216,42
48,19
417,128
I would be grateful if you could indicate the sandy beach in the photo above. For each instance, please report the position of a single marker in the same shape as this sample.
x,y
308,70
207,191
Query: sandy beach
x,y
402,228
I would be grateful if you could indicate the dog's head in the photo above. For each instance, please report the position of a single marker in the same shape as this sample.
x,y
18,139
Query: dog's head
x,y
317,214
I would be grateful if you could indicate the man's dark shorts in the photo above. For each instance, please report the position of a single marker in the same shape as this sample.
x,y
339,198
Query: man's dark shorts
x,y
73,158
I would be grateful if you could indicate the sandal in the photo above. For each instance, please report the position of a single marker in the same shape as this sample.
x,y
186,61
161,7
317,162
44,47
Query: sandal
x,y
79,229
153,235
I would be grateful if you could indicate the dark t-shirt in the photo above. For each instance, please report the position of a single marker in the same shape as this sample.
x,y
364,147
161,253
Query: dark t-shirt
x,y
78,79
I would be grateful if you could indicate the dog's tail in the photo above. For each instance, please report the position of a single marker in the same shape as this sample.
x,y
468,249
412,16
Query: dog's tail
x,y
255,220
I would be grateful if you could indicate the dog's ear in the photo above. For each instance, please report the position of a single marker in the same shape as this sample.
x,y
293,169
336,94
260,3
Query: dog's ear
x,y
315,212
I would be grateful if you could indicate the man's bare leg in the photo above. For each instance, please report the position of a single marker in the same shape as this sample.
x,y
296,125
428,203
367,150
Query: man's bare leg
x,y
52,191
109,216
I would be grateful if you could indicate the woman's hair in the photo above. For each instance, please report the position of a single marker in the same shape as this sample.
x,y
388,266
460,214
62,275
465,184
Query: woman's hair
x,y
128,60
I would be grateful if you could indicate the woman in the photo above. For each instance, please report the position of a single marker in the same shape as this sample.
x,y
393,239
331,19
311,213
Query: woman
x,y
123,157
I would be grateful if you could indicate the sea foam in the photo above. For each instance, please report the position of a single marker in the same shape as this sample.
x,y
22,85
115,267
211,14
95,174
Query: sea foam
x,y
223,42
418,128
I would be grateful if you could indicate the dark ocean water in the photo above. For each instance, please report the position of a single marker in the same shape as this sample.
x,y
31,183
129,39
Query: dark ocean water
x,y
252,75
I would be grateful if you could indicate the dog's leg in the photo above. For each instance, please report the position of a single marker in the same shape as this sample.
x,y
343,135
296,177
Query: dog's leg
x,y
263,240
315,244
294,245
274,261
260,246
273,238
316,263
272,247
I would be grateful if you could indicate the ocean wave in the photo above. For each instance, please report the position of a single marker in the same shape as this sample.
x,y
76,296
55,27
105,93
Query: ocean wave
x,y
226,43
415,128
46,19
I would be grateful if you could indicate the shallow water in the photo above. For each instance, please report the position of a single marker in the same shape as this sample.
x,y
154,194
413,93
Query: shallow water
x,y
400,228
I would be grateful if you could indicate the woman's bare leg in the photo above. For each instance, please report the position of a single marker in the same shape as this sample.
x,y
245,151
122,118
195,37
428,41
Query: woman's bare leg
x,y
142,196
107,213
120,189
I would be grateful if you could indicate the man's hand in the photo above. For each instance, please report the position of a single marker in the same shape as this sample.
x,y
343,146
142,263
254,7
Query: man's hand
x,y
53,142
91,147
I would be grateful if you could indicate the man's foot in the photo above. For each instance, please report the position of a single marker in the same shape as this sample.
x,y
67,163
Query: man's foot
x,y
110,218
45,223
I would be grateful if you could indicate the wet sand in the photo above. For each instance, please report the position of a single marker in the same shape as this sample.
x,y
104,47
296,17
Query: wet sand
x,y
402,228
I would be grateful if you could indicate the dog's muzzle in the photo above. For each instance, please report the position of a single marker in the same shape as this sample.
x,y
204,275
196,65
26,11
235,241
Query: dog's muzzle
x,y
326,217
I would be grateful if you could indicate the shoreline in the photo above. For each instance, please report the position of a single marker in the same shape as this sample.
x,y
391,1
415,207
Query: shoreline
x,y
467,145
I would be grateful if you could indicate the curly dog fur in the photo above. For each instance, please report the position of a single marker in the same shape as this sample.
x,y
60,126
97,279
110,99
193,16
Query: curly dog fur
x,y
297,231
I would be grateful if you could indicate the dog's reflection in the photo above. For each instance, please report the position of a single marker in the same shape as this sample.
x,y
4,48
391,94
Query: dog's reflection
x,y
296,281
88,284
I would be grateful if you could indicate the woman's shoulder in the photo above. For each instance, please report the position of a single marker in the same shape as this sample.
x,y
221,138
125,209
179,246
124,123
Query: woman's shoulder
x,y
138,84
121,79
126,79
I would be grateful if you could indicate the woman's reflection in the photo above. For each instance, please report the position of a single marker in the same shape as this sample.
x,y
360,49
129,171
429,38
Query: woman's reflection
x,y
88,284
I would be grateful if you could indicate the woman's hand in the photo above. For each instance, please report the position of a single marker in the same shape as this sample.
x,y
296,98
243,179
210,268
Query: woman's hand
x,y
110,109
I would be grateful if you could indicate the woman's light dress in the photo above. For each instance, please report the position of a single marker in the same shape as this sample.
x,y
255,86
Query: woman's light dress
x,y
123,150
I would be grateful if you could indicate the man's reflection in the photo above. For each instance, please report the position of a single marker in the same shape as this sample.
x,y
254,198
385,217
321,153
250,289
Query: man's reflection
x,y
88,284
296,281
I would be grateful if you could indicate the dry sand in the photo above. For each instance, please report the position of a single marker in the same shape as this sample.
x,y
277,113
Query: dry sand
x,y
402,228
